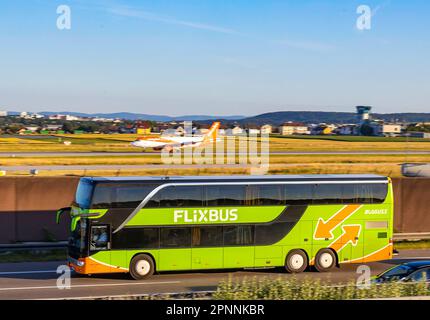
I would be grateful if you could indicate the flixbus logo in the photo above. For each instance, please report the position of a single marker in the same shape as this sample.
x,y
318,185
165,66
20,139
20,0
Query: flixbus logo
x,y
205,215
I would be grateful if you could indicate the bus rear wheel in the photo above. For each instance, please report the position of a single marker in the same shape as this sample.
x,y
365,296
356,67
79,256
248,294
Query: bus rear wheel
x,y
325,260
296,261
141,267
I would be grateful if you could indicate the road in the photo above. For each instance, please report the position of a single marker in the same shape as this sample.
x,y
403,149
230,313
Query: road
x,y
38,280
149,154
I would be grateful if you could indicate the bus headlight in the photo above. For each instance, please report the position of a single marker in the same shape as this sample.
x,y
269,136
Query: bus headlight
x,y
80,263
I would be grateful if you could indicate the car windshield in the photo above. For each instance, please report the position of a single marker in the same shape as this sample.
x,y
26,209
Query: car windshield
x,y
397,272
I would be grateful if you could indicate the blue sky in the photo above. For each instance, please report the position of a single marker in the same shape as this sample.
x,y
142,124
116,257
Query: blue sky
x,y
214,56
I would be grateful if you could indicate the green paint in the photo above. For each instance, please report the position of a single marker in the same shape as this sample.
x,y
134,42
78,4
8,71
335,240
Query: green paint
x,y
300,237
212,215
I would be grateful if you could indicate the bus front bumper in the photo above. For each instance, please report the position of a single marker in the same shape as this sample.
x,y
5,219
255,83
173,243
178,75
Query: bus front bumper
x,y
88,265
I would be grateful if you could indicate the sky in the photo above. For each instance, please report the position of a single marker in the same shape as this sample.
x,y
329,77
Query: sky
x,y
214,57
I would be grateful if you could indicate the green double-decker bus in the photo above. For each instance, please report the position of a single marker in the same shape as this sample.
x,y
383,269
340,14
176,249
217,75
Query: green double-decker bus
x,y
145,224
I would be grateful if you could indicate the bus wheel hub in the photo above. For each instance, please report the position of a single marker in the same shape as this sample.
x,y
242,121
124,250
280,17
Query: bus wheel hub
x,y
297,261
326,260
143,267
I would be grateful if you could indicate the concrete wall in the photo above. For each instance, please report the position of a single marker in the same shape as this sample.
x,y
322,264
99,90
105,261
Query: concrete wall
x,y
411,204
28,206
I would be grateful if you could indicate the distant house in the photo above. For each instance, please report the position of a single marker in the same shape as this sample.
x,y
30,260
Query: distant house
x,y
347,130
31,129
3,113
382,129
143,128
179,131
266,129
169,132
253,130
323,129
128,128
53,127
202,129
236,130
291,128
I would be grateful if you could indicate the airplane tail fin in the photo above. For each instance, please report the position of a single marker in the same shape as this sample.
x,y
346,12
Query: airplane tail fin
x,y
213,132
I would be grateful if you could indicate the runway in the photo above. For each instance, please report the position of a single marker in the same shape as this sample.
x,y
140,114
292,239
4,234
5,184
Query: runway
x,y
39,280
151,154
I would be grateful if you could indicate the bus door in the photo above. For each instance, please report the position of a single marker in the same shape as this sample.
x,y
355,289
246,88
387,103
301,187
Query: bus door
x,y
207,251
100,245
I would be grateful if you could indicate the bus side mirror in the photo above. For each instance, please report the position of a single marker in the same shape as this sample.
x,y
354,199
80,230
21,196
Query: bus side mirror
x,y
60,212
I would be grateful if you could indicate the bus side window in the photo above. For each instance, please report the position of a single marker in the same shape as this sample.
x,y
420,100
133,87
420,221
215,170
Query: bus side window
x,y
226,195
175,237
207,236
268,195
239,235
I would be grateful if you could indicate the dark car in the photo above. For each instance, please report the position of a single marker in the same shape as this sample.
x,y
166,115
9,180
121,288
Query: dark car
x,y
415,271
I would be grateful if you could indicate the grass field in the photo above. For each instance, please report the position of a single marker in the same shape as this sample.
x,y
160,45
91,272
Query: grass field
x,y
279,164
121,143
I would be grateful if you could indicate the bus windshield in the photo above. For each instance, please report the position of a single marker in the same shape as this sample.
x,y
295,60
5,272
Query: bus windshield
x,y
84,194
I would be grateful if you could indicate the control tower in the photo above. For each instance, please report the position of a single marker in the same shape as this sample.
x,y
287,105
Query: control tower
x,y
363,113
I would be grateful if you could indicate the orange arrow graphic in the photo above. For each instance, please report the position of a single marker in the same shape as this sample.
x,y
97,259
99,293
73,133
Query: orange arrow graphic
x,y
324,228
350,235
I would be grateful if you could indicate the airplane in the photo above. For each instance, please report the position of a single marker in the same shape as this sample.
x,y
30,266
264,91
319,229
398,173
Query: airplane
x,y
174,143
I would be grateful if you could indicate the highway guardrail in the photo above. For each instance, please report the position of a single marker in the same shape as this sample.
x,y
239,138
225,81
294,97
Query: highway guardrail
x,y
412,236
33,245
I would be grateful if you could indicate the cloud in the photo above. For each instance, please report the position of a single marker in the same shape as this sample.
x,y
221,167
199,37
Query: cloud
x,y
149,16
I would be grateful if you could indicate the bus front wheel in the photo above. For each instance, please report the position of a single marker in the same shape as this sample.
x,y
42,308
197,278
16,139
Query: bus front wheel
x,y
141,267
296,261
325,260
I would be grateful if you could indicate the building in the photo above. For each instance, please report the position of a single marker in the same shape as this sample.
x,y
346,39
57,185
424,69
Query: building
x,y
292,128
323,129
413,134
363,113
253,130
347,130
236,130
266,129
53,127
143,128
387,130
3,113
66,117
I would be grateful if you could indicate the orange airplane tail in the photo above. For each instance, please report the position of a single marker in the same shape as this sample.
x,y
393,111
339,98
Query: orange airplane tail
x,y
212,134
